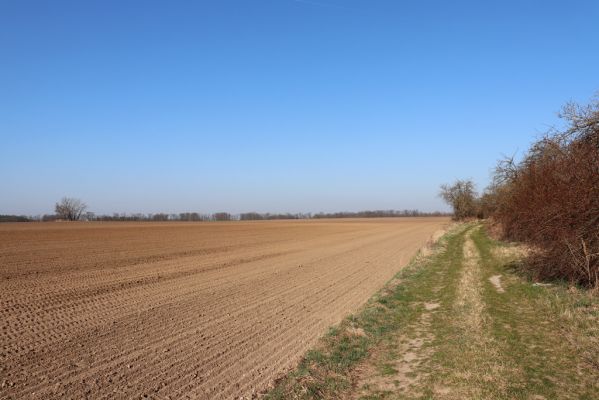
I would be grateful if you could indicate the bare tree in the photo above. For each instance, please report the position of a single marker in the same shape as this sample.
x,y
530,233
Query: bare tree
x,y
70,209
160,217
462,197
222,216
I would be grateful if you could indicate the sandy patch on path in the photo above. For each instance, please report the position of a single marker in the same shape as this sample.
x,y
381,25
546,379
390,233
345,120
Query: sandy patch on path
x,y
496,281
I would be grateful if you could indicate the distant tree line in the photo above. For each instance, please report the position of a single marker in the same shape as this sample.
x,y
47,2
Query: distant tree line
x,y
381,214
82,215
14,218
254,216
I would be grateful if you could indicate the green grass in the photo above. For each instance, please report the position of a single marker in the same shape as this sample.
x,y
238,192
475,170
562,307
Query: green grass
x,y
324,371
529,342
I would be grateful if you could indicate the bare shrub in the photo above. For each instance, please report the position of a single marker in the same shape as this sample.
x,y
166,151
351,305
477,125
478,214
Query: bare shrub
x,y
462,198
551,199
70,209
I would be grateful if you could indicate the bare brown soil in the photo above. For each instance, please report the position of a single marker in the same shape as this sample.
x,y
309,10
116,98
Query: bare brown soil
x,y
182,310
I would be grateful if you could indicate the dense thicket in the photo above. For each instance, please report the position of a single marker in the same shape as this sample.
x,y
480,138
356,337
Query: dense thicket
x,y
550,199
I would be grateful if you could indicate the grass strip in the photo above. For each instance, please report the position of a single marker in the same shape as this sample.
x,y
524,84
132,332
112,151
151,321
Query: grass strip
x,y
325,371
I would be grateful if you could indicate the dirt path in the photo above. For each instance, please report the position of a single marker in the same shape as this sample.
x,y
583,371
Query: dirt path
x,y
182,310
458,323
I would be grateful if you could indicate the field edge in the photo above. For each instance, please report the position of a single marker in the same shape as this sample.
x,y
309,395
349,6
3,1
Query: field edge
x,y
459,321
326,369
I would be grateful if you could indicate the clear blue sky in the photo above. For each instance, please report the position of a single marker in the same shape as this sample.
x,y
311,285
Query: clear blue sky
x,y
277,105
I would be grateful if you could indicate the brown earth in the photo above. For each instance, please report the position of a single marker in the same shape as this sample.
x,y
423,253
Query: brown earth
x,y
182,310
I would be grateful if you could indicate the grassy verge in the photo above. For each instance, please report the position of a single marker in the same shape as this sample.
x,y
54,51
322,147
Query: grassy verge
x,y
458,323
326,371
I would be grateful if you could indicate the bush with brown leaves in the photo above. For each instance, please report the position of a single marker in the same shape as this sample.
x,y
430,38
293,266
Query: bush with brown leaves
x,y
550,200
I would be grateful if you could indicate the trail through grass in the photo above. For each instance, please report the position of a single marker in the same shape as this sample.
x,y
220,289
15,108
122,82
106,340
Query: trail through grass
x,y
458,323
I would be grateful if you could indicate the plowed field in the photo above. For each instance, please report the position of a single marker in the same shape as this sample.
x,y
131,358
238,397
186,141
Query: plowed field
x,y
182,310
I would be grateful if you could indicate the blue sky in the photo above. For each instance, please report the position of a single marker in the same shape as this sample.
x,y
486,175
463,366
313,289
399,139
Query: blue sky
x,y
277,105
